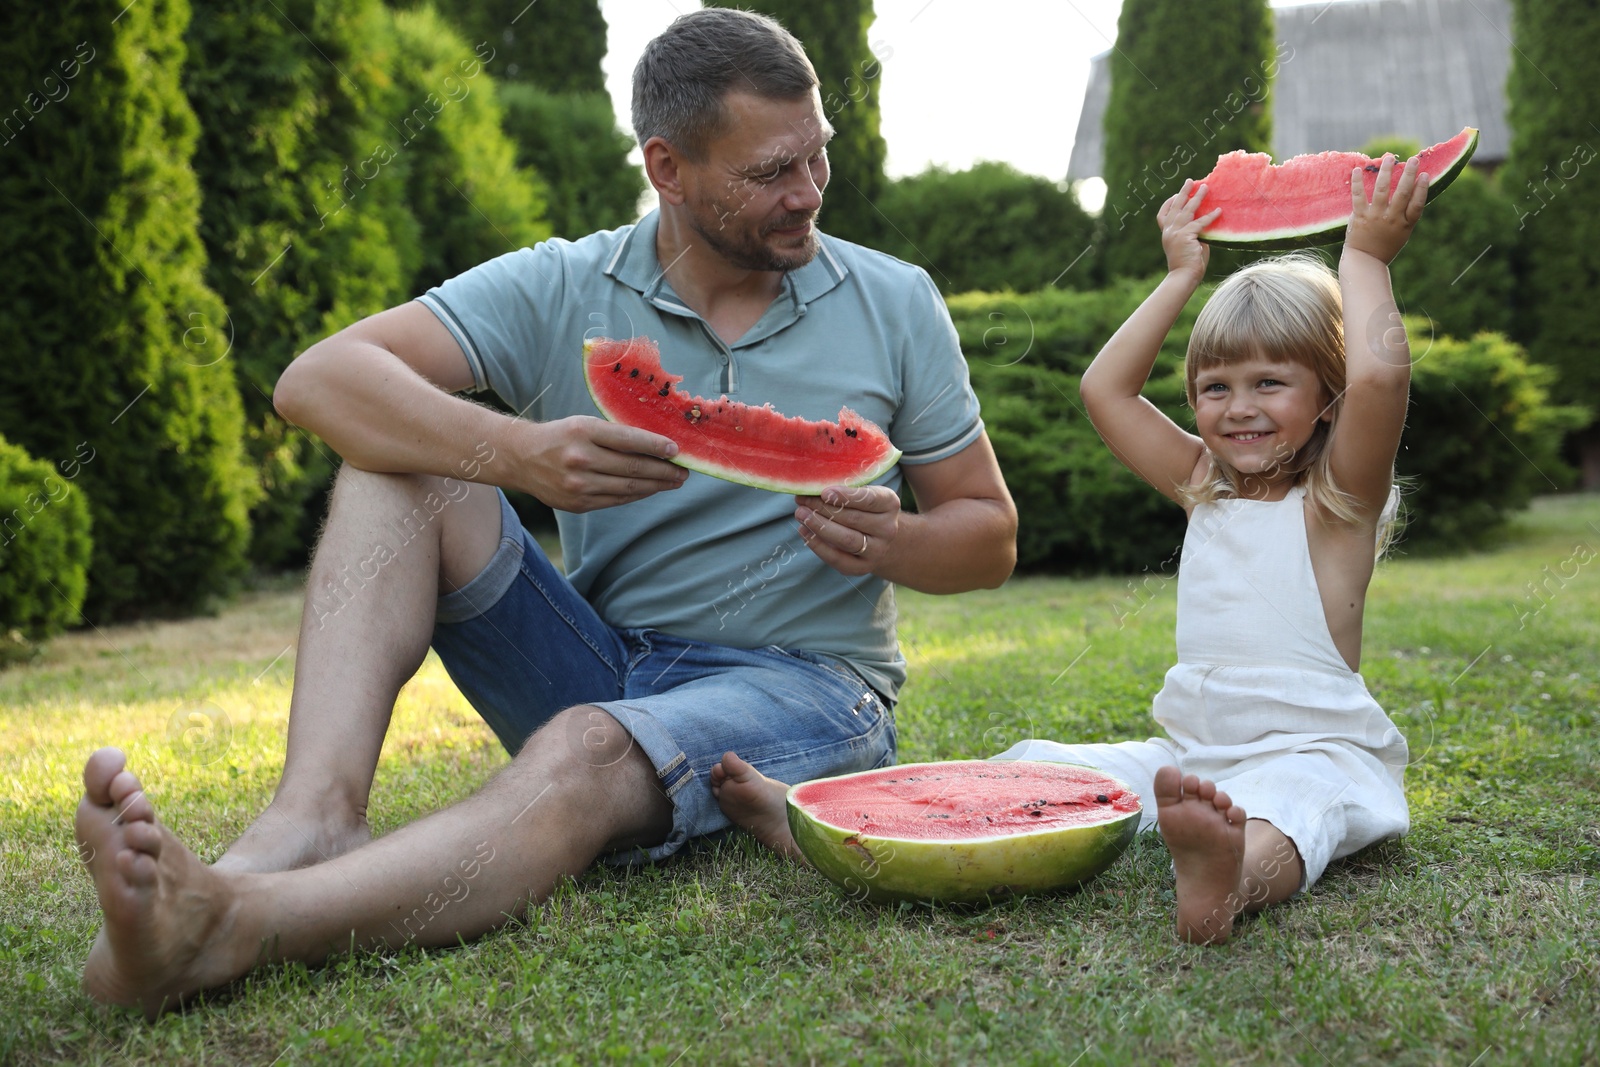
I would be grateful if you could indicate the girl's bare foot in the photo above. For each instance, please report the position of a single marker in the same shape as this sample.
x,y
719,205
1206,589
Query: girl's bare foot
x,y
169,919
754,803
1205,833
279,840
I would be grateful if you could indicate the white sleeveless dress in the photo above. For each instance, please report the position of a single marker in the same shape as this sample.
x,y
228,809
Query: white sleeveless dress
x,y
1260,700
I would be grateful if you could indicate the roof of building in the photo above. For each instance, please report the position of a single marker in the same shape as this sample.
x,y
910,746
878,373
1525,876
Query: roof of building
x,y
1427,68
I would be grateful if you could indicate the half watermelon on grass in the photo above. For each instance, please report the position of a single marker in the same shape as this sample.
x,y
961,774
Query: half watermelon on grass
x,y
1305,201
963,831
756,446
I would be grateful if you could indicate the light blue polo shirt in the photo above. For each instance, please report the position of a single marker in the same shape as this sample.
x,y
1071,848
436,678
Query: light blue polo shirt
x,y
711,560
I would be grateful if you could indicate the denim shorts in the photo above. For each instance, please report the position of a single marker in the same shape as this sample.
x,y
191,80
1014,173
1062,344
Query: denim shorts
x,y
521,644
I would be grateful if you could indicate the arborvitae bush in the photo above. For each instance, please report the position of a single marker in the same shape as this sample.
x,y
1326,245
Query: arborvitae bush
x,y
555,44
1456,269
471,200
834,33
1190,80
306,229
1553,180
990,228
44,548
1481,439
572,142
115,342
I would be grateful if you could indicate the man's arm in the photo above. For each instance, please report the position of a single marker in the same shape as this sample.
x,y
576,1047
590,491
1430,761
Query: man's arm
x,y
963,536
380,394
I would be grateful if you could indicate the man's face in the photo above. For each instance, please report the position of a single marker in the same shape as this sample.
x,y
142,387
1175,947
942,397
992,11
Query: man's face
x,y
755,198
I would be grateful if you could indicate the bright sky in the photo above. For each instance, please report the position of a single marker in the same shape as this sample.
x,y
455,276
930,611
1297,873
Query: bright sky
x,y
962,81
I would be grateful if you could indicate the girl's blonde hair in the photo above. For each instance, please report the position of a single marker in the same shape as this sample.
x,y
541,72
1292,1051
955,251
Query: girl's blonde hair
x,y
1285,309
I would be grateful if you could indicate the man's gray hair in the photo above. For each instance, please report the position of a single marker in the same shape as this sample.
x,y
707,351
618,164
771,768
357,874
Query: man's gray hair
x,y
680,81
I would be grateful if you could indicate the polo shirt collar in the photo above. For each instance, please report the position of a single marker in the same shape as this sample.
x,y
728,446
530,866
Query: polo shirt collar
x,y
634,264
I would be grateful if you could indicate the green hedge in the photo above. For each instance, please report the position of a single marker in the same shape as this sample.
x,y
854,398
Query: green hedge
x,y
1081,510
44,548
989,228
1481,439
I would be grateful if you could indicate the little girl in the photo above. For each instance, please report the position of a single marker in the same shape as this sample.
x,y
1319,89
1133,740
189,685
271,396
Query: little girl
x,y
1298,381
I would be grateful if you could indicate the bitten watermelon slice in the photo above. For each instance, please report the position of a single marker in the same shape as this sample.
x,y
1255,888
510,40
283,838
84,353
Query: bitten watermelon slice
x,y
963,831
755,446
1306,200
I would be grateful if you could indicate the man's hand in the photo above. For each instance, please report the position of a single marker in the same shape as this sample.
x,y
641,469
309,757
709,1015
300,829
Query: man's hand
x,y
583,463
850,529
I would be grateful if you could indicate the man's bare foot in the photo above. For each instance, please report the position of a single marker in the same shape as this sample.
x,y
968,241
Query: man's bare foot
x,y
280,841
1204,831
168,917
754,803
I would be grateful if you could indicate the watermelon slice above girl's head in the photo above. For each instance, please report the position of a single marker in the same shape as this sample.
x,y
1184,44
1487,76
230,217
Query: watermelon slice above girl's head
x,y
963,831
1306,200
754,446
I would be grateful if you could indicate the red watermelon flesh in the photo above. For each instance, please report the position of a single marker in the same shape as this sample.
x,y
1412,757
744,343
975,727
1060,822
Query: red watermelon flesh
x,y
1306,200
965,830
756,446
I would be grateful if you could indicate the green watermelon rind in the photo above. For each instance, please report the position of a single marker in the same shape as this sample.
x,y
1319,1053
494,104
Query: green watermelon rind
x,y
1334,233
738,477
885,870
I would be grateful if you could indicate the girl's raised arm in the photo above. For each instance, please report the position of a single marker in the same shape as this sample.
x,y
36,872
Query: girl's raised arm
x,y
1146,441
1377,356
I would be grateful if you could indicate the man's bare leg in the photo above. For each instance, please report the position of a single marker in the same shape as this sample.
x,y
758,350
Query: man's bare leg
x,y
385,553
174,926
1225,862
754,803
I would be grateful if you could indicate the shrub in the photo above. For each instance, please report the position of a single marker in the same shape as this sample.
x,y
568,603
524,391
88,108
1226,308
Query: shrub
x,y
990,228
572,142
1481,439
44,549
1080,510
114,338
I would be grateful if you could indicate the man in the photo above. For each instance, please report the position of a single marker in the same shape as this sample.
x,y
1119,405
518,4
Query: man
x,y
695,617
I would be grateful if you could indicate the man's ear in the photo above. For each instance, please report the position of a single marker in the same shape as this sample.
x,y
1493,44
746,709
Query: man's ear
x,y
661,161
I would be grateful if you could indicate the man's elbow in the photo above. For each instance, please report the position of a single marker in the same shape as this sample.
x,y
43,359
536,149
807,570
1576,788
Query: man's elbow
x,y
295,386
1006,547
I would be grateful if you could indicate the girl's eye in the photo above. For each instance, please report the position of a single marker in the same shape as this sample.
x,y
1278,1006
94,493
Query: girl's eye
x,y
1216,387
1270,381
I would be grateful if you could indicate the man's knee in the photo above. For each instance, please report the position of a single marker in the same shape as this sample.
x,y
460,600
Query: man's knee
x,y
584,739
394,511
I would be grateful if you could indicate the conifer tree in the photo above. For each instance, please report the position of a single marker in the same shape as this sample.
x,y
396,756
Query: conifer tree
x,y
834,33
1190,80
1553,180
117,350
304,229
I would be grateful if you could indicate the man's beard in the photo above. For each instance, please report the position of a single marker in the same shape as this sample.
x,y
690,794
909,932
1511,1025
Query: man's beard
x,y
747,251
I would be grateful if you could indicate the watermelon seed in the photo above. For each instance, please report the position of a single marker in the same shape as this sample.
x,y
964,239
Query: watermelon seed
x,y
634,373
617,367
664,390
1034,812
1101,798
848,432
1371,168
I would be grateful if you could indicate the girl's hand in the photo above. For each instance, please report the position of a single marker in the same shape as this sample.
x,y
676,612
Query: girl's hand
x,y
1381,227
1180,231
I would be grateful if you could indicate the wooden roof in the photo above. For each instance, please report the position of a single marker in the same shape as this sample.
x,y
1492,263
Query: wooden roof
x,y
1351,72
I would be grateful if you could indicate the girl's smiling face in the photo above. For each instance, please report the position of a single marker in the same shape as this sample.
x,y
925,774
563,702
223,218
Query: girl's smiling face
x,y
1256,414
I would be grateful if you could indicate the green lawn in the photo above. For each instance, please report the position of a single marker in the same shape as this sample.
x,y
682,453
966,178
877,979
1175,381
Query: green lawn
x,y
1470,942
